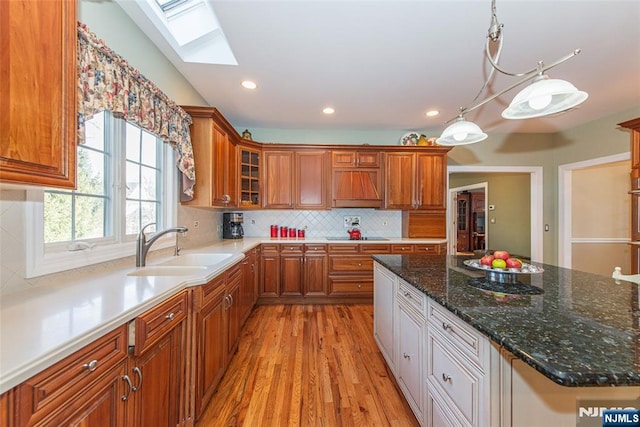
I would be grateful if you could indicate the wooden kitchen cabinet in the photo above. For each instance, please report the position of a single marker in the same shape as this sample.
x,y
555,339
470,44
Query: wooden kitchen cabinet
x,y
38,106
86,387
249,287
157,364
351,269
270,270
278,179
356,179
232,319
249,176
291,269
215,155
315,270
415,180
312,179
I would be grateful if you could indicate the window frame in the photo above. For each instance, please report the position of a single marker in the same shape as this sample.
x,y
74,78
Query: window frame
x,y
44,259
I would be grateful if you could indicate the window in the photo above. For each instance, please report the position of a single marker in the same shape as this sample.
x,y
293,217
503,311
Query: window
x,y
126,179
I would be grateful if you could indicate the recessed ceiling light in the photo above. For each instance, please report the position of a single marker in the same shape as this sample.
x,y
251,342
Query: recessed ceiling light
x,y
328,110
248,84
432,113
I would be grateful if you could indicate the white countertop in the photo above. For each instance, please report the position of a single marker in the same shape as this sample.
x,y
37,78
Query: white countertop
x,y
43,325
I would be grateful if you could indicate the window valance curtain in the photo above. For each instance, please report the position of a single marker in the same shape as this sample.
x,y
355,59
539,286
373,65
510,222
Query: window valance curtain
x,y
107,82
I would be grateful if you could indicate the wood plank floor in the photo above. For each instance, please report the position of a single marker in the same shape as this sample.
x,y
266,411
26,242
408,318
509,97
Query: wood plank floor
x,y
308,365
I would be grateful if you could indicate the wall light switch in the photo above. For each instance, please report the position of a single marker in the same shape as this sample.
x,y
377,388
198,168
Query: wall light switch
x,y
351,221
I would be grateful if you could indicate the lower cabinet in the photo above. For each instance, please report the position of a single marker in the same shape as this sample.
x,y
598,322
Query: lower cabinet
x,y
249,286
383,322
411,328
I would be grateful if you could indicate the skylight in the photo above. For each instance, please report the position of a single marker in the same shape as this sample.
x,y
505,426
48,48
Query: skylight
x,y
189,26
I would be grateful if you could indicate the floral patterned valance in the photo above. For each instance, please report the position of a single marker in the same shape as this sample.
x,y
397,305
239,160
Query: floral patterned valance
x,y
107,82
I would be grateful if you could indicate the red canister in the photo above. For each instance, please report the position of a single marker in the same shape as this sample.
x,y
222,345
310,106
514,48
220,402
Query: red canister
x,y
300,234
292,232
274,231
283,231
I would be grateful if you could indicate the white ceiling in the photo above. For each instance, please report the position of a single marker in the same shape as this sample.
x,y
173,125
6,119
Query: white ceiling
x,y
382,64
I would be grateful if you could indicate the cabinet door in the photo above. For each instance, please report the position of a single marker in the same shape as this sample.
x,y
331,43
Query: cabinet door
x,y
410,345
291,270
315,274
233,315
210,352
431,175
384,289
278,179
400,181
224,169
248,290
311,180
270,271
249,177
38,105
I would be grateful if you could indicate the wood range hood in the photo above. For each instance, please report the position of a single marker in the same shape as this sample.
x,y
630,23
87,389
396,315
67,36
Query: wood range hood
x,y
357,189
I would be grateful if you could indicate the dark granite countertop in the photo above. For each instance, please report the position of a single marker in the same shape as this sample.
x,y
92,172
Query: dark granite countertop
x,y
582,330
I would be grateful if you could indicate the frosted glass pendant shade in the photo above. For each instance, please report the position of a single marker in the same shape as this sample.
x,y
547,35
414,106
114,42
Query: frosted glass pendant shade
x,y
461,132
543,97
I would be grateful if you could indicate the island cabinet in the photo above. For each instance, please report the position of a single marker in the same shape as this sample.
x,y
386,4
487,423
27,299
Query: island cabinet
x,y
215,155
38,109
157,364
89,387
384,324
356,177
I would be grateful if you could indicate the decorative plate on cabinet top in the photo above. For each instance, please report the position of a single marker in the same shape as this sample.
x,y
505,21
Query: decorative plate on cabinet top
x,y
410,138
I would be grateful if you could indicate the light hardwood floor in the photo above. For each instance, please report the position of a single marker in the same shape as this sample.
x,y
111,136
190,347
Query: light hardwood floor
x,y
308,365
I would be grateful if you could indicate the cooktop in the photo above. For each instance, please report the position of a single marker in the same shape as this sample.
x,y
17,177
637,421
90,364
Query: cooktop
x,y
363,238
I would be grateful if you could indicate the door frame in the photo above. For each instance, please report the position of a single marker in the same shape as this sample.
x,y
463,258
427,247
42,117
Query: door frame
x,y
536,175
452,230
565,201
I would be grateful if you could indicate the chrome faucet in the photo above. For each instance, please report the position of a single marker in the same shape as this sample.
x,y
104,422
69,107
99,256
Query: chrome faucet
x,y
143,245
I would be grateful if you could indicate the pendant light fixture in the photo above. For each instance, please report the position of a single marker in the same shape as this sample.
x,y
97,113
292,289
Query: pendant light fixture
x,y
543,97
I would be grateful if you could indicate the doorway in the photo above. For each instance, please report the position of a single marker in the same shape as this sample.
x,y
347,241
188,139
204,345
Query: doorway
x,y
469,203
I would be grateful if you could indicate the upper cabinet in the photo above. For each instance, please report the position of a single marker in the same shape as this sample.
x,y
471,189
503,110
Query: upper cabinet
x,y
356,179
278,178
215,155
38,118
312,179
416,180
249,178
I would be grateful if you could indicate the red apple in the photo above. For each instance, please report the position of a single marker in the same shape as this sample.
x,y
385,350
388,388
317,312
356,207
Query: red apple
x,y
487,260
501,255
514,263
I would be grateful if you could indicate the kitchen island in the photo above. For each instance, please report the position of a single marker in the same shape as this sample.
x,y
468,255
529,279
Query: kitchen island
x,y
555,340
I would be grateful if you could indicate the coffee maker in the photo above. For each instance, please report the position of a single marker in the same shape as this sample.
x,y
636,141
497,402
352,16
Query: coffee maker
x,y
232,225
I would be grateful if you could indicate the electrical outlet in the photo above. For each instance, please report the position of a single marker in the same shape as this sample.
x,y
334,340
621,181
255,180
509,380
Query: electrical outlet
x,y
196,224
385,223
351,221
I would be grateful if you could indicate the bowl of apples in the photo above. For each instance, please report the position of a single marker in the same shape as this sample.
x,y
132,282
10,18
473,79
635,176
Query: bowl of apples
x,y
502,267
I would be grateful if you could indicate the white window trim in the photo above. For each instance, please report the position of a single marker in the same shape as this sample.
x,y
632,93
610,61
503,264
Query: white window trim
x,y
38,262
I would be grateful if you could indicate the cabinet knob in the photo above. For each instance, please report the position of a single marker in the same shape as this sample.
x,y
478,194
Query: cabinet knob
x,y
447,327
359,286
406,356
170,316
91,366
407,294
446,378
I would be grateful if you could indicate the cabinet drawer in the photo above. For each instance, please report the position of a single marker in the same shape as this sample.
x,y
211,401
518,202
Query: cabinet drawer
x,y
61,382
465,339
269,247
374,248
399,249
450,376
427,249
409,295
291,249
350,285
347,264
347,248
155,323
208,292
315,249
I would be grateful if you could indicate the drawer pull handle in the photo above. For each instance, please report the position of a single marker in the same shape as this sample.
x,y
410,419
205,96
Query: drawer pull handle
x,y
91,366
446,378
359,286
406,356
129,387
170,316
138,372
447,327
407,294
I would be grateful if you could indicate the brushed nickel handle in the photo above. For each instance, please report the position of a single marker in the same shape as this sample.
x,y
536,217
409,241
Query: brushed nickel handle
x,y
406,356
170,316
447,327
446,378
129,387
91,366
138,372
407,294
231,296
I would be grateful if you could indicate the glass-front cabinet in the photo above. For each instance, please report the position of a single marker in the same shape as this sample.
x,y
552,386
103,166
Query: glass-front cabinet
x,y
249,176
